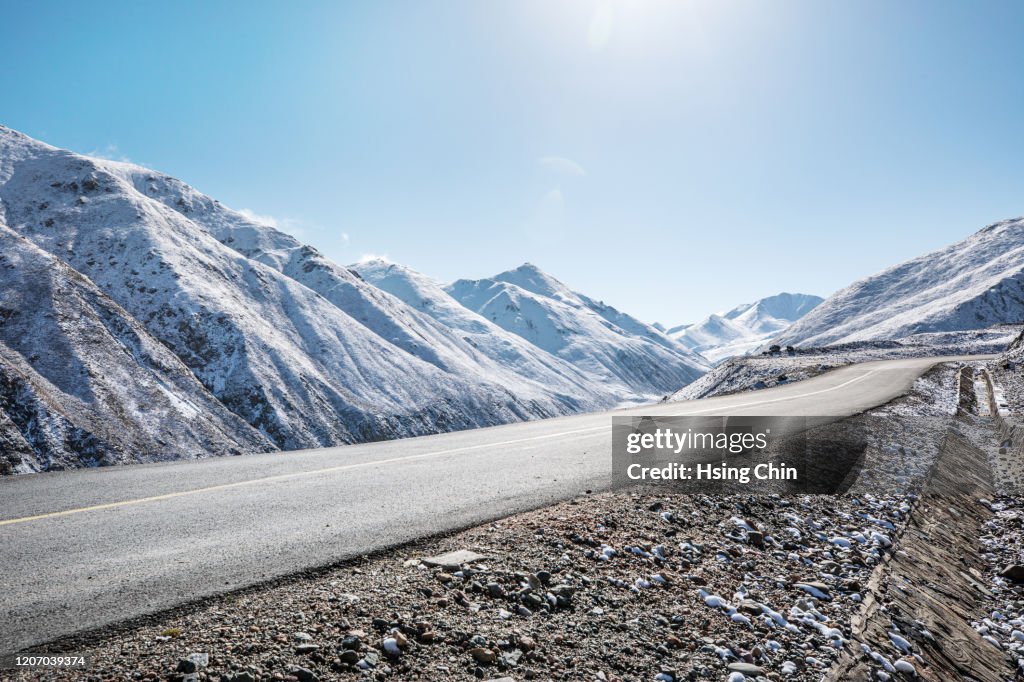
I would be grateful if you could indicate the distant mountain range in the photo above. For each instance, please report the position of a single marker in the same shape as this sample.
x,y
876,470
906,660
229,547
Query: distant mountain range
x,y
744,328
142,320
610,346
975,283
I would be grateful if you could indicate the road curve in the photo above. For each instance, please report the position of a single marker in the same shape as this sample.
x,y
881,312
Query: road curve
x,y
82,549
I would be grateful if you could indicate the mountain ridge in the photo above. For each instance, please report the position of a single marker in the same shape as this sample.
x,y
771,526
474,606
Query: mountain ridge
x,y
973,283
744,328
302,351
594,337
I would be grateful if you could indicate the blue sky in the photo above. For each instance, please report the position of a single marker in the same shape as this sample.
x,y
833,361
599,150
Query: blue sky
x,y
673,158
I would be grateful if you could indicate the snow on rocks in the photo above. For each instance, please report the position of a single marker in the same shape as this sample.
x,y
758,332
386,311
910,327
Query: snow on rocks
x,y
1003,550
905,666
626,585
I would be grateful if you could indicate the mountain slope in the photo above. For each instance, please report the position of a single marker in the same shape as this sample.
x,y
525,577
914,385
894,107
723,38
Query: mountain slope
x,y
508,353
597,339
972,284
82,383
415,331
745,327
300,348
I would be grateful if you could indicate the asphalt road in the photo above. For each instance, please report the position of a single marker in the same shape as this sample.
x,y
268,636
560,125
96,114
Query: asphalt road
x,y
83,549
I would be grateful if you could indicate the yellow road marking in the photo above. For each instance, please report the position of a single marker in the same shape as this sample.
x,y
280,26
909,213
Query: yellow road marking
x,y
343,467
281,477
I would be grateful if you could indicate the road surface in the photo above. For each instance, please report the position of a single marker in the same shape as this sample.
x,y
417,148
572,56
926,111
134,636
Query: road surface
x,y
87,548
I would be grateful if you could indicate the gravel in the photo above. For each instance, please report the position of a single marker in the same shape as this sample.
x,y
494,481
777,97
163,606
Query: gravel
x,y
630,585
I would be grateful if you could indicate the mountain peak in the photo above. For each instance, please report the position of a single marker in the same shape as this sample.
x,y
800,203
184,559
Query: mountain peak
x,y
745,327
530,277
371,261
596,338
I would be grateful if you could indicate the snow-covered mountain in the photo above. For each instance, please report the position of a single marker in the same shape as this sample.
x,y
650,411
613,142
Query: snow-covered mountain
x,y
275,345
596,338
503,352
82,382
975,283
745,327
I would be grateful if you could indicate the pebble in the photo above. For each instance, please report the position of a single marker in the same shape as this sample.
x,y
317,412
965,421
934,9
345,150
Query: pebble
x,y
303,674
193,663
905,666
745,668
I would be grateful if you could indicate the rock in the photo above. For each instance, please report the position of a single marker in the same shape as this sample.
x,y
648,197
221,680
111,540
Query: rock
x,y
483,655
563,594
242,676
756,538
906,667
815,589
391,647
745,668
1013,573
193,662
495,590
303,674
750,606
351,642
511,659
349,657
453,560
304,649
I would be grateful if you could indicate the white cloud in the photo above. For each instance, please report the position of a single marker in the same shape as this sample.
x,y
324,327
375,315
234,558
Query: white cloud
x,y
110,153
258,218
562,165
292,226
